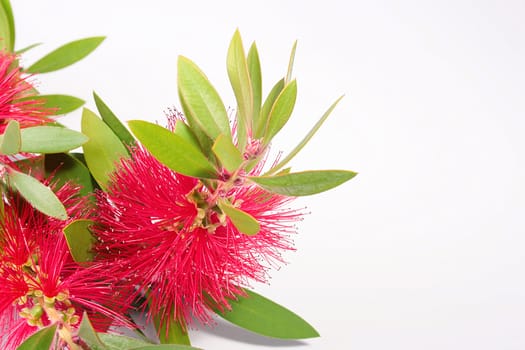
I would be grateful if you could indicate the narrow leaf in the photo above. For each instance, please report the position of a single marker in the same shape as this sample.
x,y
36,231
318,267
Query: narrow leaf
x,y
172,150
205,141
37,194
306,139
11,139
65,168
183,130
119,342
263,316
113,122
227,153
61,103
303,183
242,87
166,347
27,48
174,334
243,221
7,26
103,150
87,333
290,64
267,107
80,240
50,139
281,111
41,340
65,55
254,67
203,103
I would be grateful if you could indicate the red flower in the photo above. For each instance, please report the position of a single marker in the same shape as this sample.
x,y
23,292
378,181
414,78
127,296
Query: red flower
x,y
163,232
13,87
40,284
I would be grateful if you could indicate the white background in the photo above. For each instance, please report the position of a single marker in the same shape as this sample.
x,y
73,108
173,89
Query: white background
x,y
425,249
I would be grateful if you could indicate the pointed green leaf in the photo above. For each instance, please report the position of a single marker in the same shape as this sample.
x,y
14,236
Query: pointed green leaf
x,y
50,139
103,151
65,55
27,48
11,139
41,340
37,194
254,67
281,111
202,104
305,140
66,167
175,334
183,130
7,26
62,103
263,316
290,64
172,150
243,221
227,153
205,141
87,333
303,183
120,342
80,240
113,122
242,87
267,107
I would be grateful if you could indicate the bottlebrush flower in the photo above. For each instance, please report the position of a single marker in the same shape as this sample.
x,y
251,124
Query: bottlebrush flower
x,y
14,86
164,233
40,284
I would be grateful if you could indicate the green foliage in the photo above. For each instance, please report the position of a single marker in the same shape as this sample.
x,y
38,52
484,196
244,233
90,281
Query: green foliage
x,y
67,167
50,139
260,128
65,55
80,240
172,150
37,194
62,103
263,316
7,26
281,111
243,221
229,156
10,141
303,183
41,340
104,149
113,122
172,333
87,333
119,342
254,68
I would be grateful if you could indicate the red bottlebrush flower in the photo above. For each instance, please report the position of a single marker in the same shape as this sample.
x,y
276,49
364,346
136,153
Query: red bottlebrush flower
x,y
18,97
40,284
163,232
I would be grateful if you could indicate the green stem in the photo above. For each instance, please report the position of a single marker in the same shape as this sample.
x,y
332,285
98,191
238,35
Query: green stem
x,y
175,334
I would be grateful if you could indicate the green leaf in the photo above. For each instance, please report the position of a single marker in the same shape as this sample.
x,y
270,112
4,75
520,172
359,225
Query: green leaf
x,y
281,111
242,87
11,139
37,194
120,342
65,167
254,67
62,103
261,315
27,48
290,64
80,240
50,139
202,104
7,26
175,334
41,340
172,150
183,130
227,153
243,221
87,333
267,107
103,151
305,140
113,122
303,183
66,55
165,347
